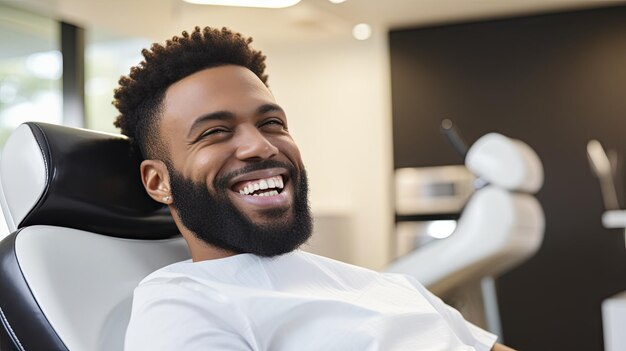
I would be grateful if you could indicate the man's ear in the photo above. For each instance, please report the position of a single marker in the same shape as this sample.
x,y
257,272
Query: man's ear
x,y
156,180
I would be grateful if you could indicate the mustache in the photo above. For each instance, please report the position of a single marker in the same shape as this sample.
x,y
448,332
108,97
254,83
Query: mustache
x,y
222,181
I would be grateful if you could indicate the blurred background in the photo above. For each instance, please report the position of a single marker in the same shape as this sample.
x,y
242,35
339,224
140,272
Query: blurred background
x,y
365,84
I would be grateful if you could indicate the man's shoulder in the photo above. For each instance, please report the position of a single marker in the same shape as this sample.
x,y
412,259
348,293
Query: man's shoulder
x,y
217,270
176,284
169,271
250,271
329,262
333,268
360,275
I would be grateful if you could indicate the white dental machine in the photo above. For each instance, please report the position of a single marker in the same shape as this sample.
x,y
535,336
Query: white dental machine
x,y
500,226
613,308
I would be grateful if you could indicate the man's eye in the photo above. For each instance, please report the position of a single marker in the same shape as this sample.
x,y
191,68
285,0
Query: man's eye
x,y
274,122
213,132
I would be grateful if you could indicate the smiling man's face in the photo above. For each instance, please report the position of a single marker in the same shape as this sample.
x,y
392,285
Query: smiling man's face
x,y
235,173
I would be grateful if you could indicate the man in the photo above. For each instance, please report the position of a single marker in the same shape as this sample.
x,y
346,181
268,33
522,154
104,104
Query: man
x,y
217,151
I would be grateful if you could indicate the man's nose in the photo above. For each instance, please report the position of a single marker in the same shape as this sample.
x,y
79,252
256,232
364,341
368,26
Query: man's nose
x,y
252,144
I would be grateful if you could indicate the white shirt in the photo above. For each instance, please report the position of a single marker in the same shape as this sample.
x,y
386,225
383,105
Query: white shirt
x,y
294,302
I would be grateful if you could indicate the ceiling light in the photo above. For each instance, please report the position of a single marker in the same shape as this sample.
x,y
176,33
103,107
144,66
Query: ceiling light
x,y
247,3
362,31
337,1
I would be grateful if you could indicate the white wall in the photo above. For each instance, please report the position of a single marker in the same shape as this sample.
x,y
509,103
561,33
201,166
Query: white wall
x,y
338,102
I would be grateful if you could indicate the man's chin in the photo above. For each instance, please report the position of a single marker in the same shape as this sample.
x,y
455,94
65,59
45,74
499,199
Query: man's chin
x,y
265,226
270,218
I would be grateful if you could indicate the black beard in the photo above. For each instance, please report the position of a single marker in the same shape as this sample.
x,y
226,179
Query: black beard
x,y
215,220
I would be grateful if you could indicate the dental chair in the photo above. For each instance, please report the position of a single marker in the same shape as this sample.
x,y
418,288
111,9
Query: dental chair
x,y
81,234
500,226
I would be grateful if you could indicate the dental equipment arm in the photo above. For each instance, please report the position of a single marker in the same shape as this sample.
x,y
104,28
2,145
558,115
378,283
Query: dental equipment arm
x,y
614,307
603,169
501,225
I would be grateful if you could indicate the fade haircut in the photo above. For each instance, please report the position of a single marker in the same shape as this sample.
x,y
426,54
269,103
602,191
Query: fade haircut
x,y
139,97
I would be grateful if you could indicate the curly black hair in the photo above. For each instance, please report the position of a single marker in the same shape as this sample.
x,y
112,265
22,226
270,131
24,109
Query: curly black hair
x,y
140,95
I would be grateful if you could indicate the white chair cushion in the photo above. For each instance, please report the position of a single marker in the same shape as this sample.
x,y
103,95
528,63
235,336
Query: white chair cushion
x,y
23,168
84,282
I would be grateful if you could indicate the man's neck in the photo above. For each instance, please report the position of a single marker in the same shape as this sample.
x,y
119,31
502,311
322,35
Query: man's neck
x,y
201,251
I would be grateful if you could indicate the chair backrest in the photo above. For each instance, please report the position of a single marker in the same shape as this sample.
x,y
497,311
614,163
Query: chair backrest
x,y
82,233
501,225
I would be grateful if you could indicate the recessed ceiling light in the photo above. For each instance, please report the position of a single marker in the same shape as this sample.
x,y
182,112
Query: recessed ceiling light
x,y
247,3
337,1
362,31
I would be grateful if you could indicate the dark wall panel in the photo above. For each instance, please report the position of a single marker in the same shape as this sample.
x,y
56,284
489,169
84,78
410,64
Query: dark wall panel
x,y
554,81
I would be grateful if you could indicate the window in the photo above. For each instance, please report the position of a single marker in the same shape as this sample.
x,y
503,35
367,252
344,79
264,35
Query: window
x,y
30,70
108,57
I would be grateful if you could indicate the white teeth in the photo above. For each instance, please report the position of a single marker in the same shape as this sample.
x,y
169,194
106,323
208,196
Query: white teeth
x,y
263,184
267,193
269,183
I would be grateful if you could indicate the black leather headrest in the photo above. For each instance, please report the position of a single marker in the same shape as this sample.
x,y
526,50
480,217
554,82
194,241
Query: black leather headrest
x,y
62,176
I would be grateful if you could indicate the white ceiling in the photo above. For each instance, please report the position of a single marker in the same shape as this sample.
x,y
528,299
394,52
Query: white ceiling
x,y
308,20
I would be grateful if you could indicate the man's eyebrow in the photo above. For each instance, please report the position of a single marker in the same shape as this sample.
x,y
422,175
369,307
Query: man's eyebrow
x,y
213,116
269,108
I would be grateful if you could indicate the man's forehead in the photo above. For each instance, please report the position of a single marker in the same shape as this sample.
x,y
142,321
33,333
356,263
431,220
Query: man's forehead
x,y
223,88
217,80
